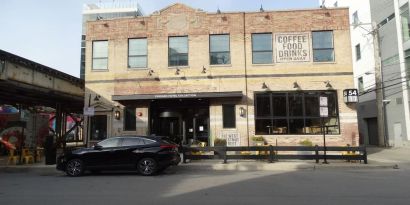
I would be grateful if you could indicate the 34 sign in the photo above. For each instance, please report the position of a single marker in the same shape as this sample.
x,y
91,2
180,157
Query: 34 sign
x,y
350,95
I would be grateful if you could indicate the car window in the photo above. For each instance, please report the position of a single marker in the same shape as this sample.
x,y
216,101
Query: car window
x,y
148,141
132,141
111,142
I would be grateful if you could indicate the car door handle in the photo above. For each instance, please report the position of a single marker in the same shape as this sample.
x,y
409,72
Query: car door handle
x,y
138,151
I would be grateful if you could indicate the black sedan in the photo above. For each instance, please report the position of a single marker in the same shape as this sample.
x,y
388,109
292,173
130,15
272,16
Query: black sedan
x,y
147,155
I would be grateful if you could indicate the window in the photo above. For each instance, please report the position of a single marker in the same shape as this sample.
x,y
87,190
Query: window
x,y
98,129
355,18
219,49
294,113
262,48
405,21
129,119
137,53
178,51
100,55
358,52
323,46
360,84
132,141
111,142
228,112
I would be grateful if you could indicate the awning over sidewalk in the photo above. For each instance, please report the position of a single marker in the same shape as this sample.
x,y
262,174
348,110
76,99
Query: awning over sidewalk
x,y
158,96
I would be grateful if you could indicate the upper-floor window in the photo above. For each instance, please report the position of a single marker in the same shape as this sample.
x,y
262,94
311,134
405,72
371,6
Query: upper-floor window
x,y
137,53
219,52
261,48
178,51
323,50
358,52
360,84
355,18
100,55
405,21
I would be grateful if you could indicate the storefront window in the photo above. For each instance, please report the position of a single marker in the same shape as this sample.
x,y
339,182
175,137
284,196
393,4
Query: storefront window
x,y
219,52
323,50
295,113
137,53
178,51
100,55
262,48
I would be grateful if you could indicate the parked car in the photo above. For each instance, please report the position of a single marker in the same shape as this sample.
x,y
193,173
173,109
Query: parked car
x,y
147,155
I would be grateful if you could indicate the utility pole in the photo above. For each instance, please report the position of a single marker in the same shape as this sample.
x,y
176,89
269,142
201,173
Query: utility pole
x,y
379,86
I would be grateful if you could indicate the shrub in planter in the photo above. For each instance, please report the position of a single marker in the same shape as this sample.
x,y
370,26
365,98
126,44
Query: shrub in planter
x,y
306,143
258,140
219,142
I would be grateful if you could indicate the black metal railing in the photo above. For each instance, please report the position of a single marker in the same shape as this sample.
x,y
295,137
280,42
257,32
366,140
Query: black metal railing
x,y
275,153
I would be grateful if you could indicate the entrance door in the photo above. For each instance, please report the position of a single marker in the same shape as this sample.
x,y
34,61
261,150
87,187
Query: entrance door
x,y
373,134
170,126
98,126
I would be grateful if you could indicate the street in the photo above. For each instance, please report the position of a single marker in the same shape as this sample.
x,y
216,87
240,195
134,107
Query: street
x,y
181,186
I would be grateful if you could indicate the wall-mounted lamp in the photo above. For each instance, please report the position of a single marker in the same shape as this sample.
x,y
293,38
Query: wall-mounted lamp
x,y
264,86
296,85
97,97
150,72
177,71
242,112
117,115
203,69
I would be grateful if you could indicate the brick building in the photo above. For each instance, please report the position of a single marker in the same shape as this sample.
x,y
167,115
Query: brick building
x,y
198,76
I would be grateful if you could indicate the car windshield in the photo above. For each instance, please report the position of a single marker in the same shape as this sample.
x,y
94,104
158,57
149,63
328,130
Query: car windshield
x,y
112,142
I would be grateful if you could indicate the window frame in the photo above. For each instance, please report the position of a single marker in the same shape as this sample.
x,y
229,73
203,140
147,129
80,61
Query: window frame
x,y
304,116
225,121
262,51
360,84
99,58
130,56
229,49
169,53
323,48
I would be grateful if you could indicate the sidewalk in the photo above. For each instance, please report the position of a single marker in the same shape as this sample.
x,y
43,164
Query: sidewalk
x,y
378,158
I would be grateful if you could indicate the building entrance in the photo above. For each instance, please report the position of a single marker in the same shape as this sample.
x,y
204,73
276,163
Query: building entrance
x,y
184,121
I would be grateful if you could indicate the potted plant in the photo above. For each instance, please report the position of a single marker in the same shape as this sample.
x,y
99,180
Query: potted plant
x,y
306,143
219,142
258,140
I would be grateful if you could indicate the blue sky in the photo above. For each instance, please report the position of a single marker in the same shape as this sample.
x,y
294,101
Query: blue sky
x,y
49,31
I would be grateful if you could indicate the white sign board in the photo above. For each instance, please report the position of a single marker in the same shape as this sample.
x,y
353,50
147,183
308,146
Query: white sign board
x,y
323,101
233,139
292,47
350,95
324,112
89,111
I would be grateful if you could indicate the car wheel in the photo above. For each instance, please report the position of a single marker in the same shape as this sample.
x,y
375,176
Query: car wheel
x,y
147,166
75,168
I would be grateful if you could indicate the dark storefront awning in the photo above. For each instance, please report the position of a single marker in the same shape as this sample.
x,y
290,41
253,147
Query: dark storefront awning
x,y
233,94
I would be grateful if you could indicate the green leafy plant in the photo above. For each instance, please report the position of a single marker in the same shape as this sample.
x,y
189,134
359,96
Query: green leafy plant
x,y
306,142
219,142
258,139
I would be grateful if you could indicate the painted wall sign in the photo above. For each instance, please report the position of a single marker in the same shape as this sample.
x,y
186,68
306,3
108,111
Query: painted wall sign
x,y
233,138
89,111
292,47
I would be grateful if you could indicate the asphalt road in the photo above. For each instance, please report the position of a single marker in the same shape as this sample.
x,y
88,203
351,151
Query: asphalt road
x,y
179,186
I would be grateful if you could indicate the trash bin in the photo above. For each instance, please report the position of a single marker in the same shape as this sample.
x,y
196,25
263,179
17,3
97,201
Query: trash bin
x,y
50,150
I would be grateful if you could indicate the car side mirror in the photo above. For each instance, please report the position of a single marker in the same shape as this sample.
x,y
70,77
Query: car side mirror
x,y
97,147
